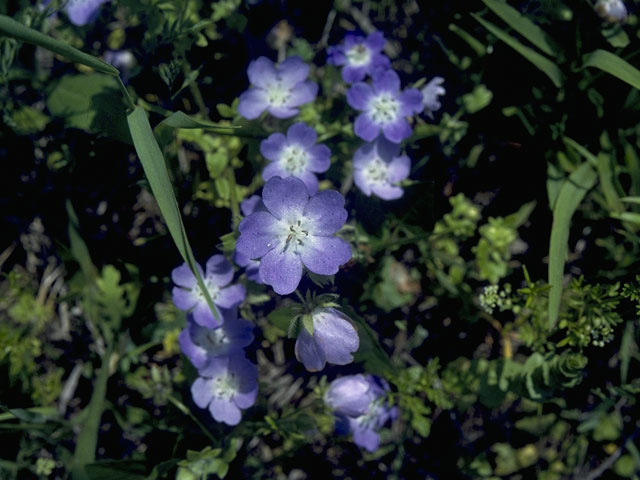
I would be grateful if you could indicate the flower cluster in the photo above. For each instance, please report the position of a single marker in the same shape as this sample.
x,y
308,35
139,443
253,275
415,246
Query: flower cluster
x,y
384,112
227,381
361,407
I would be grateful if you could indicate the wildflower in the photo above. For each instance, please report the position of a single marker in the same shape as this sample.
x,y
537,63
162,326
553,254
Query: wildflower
x,y
359,56
384,107
612,11
279,89
199,343
296,155
334,339
361,407
81,12
123,60
294,231
378,167
188,296
226,385
430,93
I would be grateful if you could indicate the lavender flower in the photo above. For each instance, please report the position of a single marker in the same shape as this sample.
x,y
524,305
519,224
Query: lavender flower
x,y
188,296
430,93
378,167
359,56
613,11
334,339
251,267
200,344
360,405
296,155
123,60
226,385
81,12
279,89
384,107
294,231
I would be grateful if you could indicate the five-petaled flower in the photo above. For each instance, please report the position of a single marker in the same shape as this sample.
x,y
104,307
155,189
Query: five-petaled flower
x,y
199,344
226,385
359,56
384,107
296,154
188,296
334,339
430,93
361,407
378,167
295,230
278,89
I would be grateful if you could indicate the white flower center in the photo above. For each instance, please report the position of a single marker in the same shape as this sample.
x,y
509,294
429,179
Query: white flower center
x,y
376,171
293,233
213,289
384,108
225,386
211,339
358,55
277,95
294,159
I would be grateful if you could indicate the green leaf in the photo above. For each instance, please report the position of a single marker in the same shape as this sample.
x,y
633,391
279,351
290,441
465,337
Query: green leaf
x,y
606,176
549,68
478,99
11,28
28,120
116,470
156,172
90,102
79,248
571,194
613,65
522,25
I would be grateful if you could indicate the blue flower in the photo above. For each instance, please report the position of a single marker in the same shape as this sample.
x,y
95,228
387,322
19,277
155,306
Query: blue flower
x,y
384,107
200,344
612,11
81,12
295,230
278,89
334,339
430,93
226,385
359,56
296,155
187,295
378,167
361,407
251,267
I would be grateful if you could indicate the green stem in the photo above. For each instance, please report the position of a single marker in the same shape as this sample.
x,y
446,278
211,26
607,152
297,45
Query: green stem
x,y
184,409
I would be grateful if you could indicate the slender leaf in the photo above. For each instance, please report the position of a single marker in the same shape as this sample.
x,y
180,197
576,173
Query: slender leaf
x,y
569,198
79,248
593,160
156,172
549,68
630,217
606,175
613,65
522,25
635,200
11,28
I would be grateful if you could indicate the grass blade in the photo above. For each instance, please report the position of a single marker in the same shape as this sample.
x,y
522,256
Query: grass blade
x,y
569,198
613,65
11,28
549,68
156,172
522,25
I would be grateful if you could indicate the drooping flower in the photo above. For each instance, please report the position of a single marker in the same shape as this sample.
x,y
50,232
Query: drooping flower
x,y
334,339
294,231
278,89
378,167
385,108
226,385
296,155
188,296
199,343
430,93
361,409
613,11
359,56
81,12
